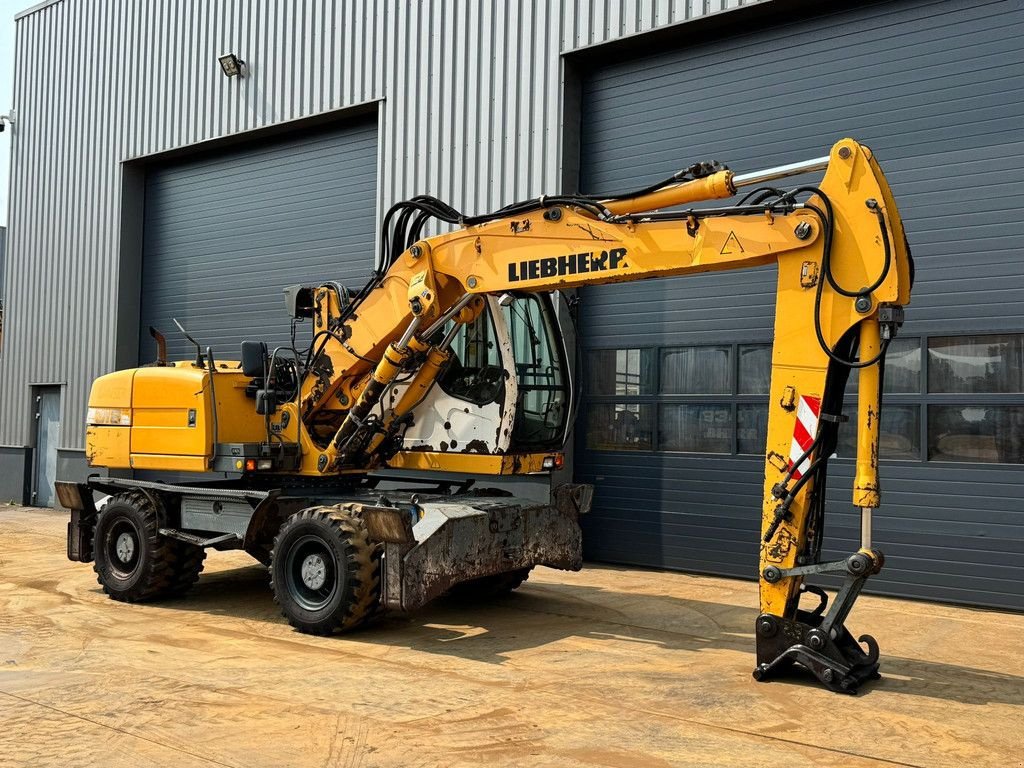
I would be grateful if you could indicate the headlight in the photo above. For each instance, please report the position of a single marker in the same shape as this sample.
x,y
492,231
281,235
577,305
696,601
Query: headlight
x,y
117,417
553,462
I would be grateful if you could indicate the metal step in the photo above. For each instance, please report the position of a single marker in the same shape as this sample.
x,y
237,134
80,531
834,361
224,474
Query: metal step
x,y
199,541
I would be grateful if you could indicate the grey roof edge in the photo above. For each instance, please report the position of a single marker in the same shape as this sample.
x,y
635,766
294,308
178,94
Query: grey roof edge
x,y
35,8
660,30
363,108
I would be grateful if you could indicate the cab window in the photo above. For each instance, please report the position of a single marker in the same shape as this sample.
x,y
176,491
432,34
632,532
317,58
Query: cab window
x,y
540,371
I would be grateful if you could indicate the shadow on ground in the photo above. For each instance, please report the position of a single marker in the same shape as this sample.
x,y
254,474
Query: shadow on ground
x,y
543,613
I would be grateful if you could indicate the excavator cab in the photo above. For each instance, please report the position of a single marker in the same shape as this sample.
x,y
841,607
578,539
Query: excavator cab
x,y
477,405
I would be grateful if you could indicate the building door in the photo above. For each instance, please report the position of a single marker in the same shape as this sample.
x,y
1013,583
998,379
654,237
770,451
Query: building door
x,y
226,231
675,410
47,439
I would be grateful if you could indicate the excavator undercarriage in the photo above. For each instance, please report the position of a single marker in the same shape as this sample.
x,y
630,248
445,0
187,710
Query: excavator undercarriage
x,y
452,362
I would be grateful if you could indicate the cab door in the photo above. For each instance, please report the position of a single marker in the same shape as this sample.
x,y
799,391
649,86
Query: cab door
x,y
544,401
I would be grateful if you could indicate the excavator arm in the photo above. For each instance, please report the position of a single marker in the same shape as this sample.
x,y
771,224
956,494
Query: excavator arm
x,y
844,275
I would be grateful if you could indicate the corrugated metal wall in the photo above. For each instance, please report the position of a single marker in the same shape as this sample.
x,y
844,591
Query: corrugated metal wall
x,y
471,112
3,259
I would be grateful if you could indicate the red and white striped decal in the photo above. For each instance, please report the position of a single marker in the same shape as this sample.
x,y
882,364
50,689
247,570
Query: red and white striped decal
x,y
804,430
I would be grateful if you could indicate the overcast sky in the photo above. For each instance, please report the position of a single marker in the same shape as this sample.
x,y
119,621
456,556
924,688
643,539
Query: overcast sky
x,y
7,10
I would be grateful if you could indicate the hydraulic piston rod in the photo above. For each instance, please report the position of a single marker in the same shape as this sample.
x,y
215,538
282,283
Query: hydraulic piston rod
x,y
865,527
440,322
779,172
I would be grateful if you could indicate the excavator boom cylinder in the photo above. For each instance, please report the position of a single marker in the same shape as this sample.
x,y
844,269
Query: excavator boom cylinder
x,y
779,172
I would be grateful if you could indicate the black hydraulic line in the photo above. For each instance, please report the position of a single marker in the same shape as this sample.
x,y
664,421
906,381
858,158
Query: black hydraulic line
x,y
795,465
825,441
780,208
761,193
876,209
826,224
696,171
673,179
416,229
212,368
836,379
783,510
398,234
536,204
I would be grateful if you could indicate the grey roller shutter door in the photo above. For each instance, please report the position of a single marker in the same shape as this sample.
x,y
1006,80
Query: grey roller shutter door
x,y
934,89
225,232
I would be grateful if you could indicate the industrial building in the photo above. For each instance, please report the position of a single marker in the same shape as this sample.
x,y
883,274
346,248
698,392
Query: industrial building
x,y
189,160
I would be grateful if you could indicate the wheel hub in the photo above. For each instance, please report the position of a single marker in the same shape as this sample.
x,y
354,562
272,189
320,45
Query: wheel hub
x,y
314,571
125,547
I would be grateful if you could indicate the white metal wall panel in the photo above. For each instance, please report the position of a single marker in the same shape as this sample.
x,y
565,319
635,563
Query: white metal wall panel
x,y
471,112
3,259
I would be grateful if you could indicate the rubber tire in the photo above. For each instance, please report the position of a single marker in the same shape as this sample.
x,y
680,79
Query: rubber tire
x,y
165,567
357,597
490,587
188,565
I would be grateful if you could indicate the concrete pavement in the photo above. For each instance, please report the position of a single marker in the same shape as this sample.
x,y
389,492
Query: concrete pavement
x,y
607,667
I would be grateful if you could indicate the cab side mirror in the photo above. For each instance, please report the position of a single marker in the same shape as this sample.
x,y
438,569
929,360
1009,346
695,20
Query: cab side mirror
x,y
254,359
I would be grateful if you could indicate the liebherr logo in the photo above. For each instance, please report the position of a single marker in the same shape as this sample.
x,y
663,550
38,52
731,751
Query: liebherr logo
x,y
571,264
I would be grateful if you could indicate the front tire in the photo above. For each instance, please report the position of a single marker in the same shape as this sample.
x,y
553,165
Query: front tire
x,y
324,571
133,562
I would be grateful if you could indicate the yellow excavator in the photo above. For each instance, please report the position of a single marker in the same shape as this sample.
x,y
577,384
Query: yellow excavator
x,y
452,361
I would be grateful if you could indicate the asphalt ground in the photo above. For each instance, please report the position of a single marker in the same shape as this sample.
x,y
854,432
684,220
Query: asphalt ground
x,y
607,667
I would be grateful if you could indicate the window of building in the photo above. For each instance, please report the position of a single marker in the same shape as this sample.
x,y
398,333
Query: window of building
x,y
947,398
902,366
621,372
976,364
619,427
987,433
696,370
900,436
751,427
755,368
696,428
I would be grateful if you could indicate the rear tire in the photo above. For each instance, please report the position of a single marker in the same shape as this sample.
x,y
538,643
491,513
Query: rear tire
x,y
133,562
189,564
490,587
324,571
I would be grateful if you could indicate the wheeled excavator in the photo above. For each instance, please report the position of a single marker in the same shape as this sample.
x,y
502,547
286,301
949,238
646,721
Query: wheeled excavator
x,y
451,361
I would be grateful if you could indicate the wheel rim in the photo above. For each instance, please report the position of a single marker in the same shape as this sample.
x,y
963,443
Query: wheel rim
x,y
311,571
123,548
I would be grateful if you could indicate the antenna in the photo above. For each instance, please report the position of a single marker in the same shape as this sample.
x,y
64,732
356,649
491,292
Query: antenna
x,y
199,350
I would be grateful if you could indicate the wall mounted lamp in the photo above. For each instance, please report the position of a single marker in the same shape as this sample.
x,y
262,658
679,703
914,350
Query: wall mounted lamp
x,y
231,65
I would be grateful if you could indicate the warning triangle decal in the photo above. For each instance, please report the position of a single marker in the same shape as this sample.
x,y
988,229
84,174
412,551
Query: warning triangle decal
x,y
732,245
